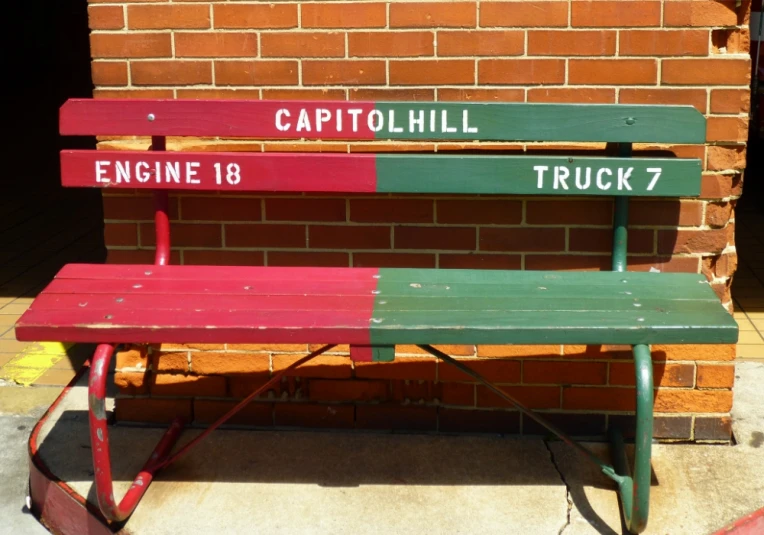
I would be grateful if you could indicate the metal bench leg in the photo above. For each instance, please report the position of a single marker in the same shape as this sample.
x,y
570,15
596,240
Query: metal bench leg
x,y
99,441
634,489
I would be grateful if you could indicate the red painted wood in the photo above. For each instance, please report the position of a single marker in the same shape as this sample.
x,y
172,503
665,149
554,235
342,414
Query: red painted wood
x,y
202,273
220,171
232,118
361,353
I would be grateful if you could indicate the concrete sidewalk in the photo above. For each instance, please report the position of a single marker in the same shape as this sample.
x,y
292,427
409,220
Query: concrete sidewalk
x,y
319,482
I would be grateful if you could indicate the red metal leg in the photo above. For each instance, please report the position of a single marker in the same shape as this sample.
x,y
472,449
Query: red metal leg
x,y
99,440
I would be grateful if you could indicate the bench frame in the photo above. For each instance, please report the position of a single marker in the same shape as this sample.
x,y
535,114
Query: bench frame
x,y
657,124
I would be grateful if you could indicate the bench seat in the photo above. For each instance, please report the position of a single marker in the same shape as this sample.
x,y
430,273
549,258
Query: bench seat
x,y
154,304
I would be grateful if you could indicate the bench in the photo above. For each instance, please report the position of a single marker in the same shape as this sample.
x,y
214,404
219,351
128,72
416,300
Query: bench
x,y
375,309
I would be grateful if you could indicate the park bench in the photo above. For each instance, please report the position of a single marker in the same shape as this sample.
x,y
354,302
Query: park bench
x,y
375,309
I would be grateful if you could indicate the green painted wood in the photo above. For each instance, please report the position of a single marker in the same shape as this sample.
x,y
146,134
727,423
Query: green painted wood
x,y
615,123
534,175
510,303
383,353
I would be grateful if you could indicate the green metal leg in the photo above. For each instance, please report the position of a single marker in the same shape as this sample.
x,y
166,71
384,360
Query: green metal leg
x,y
634,489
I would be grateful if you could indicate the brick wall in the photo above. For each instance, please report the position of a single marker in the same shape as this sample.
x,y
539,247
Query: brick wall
x,y
647,51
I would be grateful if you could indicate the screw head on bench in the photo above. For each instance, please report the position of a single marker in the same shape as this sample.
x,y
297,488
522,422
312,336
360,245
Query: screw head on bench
x,y
151,117
119,299
630,121
108,316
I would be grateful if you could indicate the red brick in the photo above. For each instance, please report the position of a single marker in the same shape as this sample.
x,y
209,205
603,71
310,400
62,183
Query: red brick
x,y
668,213
396,417
168,16
521,71
613,71
186,235
331,390
256,72
730,101
486,212
304,94
717,186
675,400
518,351
693,241
242,386
445,238
303,44
569,212
566,43
204,363
323,366
391,210
344,72
309,415
481,43
122,234
457,394
106,18
215,44
496,370
432,72
737,41
655,96
152,410
724,158
266,16
700,13
715,352
223,258
171,72
409,368
187,385
109,73
394,260
533,397
555,372
220,209
601,240
170,361
615,13
265,235
133,93
567,262
706,71
524,14
710,376
349,237
479,261
390,44
599,399
718,214
354,15
522,239
125,45
664,43
581,95
305,210
666,375
598,352
734,129
327,259
433,14
481,95
207,411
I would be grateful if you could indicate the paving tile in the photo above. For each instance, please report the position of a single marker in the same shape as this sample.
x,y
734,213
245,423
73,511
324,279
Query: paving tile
x,y
13,309
5,358
751,337
12,346
55,377
745,351
745,324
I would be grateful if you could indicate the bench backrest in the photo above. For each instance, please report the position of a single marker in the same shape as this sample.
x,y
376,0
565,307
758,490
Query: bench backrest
x,y
399,173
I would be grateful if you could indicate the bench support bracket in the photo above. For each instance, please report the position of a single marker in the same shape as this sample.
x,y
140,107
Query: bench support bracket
x,y
633,490
99,441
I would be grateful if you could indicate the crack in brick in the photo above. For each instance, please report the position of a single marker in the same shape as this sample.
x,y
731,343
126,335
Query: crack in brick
x,y
567,487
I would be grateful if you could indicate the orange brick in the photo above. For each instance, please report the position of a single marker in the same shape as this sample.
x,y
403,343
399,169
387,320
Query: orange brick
x,y
565,43
132,384
723,158
665,375
700,13
258,72
694,352
706,71
453,350
390,44
555,372
718,214
733,129
266,16
533,397
676,400
524,14
581,95
187,385
737,41
481,43
411,368
303,44
598,398
710,376
616,13
324,366
343,72
331,390
109,73
152,410
170,361
521,71
496,370
137,45
354,15
518,351
433,14
693,97
404,94
664,43
171,72
730,101
481,95
204,363
613,71
215,44
426,72
304,94
190,346
140,17
134,358
106,17
693,241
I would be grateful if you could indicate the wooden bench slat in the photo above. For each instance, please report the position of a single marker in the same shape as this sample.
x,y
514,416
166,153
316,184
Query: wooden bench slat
x,y
618,123
391,306
382,173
